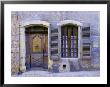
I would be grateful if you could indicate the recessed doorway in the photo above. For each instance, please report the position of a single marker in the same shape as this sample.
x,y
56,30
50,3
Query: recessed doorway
x,y
36,47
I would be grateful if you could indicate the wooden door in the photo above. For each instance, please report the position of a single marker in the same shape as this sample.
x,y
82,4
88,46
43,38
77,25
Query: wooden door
x,y
39,50
45,50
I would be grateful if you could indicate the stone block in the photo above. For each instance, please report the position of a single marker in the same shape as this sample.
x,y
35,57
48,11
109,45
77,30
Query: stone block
x,y
55,58
50,63
14,49
14,44
74,65
15,38
85,64
64,66
15,28
14,67
55,68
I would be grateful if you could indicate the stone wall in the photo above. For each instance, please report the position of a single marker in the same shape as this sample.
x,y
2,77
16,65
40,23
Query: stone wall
x,y
91,18
14,44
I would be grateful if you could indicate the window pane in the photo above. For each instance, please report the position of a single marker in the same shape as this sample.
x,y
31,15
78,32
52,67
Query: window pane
x,y
69,41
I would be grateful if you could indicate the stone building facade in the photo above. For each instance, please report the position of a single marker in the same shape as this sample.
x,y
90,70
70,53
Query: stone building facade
x,y
58,41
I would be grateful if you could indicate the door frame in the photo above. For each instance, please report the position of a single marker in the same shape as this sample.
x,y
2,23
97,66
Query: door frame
x,y
22,46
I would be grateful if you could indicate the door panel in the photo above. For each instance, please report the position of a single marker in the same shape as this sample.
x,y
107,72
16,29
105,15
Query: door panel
x,y
36,60
39,50
36,43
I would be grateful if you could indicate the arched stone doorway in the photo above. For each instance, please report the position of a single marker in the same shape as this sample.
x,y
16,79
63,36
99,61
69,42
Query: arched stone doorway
x,y
32,53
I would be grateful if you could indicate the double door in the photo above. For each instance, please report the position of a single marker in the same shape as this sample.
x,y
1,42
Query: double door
x,y
37,50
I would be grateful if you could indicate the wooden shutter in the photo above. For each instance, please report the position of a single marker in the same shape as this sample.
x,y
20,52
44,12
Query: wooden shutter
x,y
54,44
86,42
